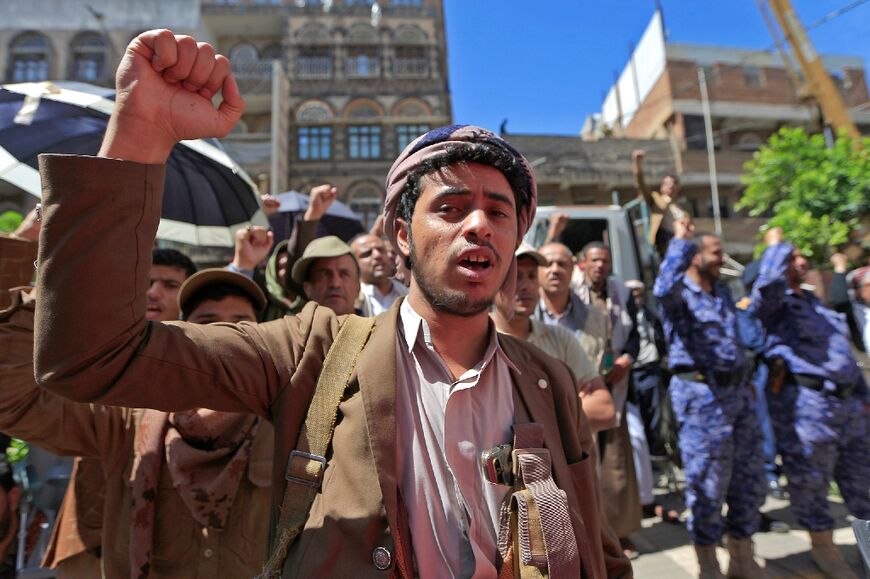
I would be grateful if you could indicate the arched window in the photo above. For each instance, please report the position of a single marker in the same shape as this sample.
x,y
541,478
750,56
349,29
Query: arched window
x,y
412,108
313,112
89,57
313,54
30,58
364,139
244,52
367,202
363,52
363,109
411,52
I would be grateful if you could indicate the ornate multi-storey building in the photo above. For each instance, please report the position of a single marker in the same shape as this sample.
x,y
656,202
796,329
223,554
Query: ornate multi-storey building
x,y
361,82
357,79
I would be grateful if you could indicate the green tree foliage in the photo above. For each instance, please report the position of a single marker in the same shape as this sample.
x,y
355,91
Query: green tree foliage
x,y
817,194
17,451
9,221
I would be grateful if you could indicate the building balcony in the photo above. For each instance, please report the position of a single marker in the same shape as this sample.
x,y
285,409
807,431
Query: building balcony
x,y
219,4
728,162
315,67
411,67
362,67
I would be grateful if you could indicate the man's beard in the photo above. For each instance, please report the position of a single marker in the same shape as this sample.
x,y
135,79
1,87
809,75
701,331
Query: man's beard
x,y
444,299
712,272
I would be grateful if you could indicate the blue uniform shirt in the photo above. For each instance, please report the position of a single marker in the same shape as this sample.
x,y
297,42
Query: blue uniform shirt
x,y
749,328
811,338
701,327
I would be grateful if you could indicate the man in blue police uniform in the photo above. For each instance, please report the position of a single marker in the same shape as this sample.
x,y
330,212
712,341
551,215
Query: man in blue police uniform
x,y
751,333
821,411
719,433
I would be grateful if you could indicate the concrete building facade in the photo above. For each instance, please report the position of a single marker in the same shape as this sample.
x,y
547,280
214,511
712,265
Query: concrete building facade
x,y
752,94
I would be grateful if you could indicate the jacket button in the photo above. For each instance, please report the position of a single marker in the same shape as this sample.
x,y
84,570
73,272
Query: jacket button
x,y
381,558
208,553
542,384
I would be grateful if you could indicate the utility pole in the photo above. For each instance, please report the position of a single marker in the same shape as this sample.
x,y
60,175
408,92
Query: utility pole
x,y
711,152
280,130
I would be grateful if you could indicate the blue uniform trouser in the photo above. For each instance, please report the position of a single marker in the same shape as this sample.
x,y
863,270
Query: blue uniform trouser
x,y
720,444
821,436
768,439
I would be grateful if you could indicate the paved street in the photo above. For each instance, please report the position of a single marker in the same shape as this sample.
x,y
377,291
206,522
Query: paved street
x,y
667,554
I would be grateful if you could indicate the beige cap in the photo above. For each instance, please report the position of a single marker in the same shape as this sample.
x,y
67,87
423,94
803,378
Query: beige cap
x,y
634,284
528,251
329,246
206,277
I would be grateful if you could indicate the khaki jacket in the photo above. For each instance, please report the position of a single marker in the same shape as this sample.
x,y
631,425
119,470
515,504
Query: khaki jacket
x,y
101,217
182,547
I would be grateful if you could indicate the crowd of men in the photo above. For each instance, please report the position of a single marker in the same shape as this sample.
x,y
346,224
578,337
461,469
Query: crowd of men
x,y
492,409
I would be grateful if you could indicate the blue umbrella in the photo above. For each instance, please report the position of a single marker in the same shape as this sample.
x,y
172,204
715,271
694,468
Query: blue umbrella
x,y
207,196
339,219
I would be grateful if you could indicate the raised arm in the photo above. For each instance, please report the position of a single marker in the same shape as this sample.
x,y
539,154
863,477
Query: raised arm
x,y
838,296
93,343
677,260
639,181
768,293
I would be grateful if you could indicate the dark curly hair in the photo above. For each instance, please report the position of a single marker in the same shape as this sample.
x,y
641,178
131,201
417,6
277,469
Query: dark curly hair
x,y
462,154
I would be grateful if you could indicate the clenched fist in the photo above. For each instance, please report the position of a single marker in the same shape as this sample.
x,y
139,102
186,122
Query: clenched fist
x,y
165,85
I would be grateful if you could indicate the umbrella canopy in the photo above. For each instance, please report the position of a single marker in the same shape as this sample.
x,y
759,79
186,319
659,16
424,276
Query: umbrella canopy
x,y
206,196
339,219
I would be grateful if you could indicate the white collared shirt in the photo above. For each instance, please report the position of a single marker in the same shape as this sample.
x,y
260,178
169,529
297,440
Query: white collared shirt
x,y
443,426
373,302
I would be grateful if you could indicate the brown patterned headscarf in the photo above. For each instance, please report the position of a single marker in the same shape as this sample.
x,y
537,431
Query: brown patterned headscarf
x,y
206,454
456,142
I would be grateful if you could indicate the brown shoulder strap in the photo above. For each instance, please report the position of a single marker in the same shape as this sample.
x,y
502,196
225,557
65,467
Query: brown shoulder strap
x,y
307,463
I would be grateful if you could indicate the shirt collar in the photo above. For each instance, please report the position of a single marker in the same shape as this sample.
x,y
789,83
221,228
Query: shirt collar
x,y
572,298
414,327
694,287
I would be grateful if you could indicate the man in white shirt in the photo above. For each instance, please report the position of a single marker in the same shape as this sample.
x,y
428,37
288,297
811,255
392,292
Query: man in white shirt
x,y
378,289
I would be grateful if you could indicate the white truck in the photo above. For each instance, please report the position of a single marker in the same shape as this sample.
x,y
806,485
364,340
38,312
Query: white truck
x,y
621,227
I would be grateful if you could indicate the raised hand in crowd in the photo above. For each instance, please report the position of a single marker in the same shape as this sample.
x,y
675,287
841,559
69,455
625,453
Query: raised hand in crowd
x,y
558,222
320,198
252,246
271,205
840,262
165,85
684,229
774,236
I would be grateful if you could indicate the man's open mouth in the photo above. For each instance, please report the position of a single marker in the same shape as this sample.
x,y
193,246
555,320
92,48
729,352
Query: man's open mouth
x,y
475,262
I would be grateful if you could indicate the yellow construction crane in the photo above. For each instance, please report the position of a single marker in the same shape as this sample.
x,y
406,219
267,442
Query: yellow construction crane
x,y
817,82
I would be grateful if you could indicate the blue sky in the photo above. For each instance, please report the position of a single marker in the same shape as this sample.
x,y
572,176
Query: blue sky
x,y
544,65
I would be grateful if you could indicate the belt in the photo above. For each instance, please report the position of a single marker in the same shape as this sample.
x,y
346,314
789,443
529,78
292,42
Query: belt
x,y
720,379
818,384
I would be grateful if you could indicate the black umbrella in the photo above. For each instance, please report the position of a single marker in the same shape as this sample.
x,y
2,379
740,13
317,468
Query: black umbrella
x,y
207,196
339,220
